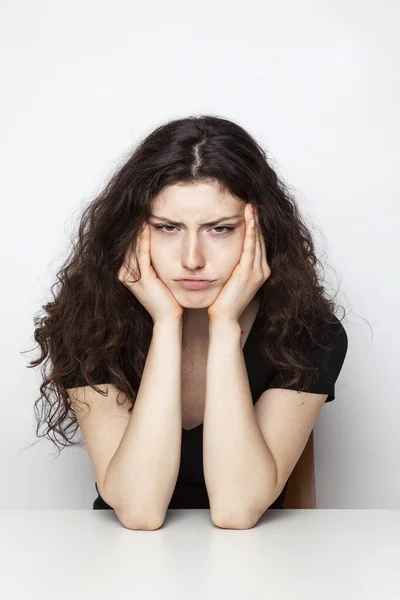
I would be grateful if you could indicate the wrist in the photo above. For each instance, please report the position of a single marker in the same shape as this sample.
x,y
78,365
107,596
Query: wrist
x,y
224,327
167,322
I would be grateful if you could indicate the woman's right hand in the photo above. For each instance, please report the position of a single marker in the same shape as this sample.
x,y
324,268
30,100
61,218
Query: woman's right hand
x,y
151,292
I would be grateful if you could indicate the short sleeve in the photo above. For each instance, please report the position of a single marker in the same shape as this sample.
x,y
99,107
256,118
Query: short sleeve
x,y
328,359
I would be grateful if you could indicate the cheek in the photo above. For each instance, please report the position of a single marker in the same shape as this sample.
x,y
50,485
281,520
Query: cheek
x,y
156,256
158,260
161,261
226,261
231,253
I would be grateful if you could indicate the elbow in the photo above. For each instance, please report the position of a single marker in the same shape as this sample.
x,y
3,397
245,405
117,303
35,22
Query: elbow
x,y
243,518
232,521
234,524
145,523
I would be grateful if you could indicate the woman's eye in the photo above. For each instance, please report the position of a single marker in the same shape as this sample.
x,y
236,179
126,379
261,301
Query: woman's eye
x,y
227,228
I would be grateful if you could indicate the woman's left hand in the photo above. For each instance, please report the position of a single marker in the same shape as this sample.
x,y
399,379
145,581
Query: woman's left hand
x,y
247,277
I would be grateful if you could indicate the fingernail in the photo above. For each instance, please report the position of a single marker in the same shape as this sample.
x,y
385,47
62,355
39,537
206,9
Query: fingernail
x,y
251,208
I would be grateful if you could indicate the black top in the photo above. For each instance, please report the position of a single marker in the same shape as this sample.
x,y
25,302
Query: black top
x,y
190,490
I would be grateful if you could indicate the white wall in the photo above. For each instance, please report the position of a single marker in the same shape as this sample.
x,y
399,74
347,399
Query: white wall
x,y
315,82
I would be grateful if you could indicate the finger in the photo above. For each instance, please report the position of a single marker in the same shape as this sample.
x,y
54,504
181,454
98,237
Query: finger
x,y
133,259
264,260
144,247
257,250
126,263
263,251
247,258
131,272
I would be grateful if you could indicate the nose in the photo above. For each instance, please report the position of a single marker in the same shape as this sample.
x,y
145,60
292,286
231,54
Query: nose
x,y
193,256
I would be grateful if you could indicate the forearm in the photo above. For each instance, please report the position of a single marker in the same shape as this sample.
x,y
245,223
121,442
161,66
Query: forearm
x,y
239,469
143,471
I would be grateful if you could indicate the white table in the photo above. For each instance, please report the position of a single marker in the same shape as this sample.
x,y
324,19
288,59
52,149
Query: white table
x,y
288,555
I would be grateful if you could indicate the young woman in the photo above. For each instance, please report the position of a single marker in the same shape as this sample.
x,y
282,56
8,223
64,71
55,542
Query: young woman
x,y
190,394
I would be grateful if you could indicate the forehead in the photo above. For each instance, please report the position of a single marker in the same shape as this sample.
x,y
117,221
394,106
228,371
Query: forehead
x,y
205,198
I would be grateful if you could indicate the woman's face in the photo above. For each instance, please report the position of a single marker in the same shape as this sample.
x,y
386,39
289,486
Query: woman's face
x,y
193,248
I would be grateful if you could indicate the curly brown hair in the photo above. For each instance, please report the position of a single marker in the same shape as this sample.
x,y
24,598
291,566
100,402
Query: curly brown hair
x,y
95,327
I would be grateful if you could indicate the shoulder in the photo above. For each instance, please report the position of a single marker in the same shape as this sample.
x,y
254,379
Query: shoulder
x,y
330,338
331,334
325,351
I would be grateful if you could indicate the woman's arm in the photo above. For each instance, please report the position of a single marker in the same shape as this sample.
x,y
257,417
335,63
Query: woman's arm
x,y
142,474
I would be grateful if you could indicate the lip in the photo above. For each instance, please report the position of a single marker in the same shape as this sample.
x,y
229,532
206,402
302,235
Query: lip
x,y
194,284
193,279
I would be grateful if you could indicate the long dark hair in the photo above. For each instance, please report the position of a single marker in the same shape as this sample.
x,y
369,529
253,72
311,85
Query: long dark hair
x,y
96,328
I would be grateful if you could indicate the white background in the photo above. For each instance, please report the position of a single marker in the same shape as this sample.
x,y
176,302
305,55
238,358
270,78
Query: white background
x,y
316,83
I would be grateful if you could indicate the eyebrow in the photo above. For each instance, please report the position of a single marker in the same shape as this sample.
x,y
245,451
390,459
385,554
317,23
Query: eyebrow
x,y
206,224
